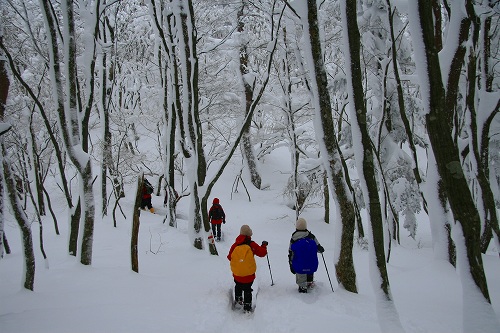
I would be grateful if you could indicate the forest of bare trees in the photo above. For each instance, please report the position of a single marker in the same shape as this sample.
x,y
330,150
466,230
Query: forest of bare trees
x,y
387,107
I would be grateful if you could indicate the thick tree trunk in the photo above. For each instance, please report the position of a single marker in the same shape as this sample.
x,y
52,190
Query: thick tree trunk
x,y
445,150
365,155
89,215
24,225
74,224
479,147
345,271
189,122
367,171
74,137
171,106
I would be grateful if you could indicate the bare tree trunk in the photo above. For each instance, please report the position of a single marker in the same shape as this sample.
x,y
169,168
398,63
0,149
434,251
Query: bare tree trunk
x,y
4,91
330,151
439,126
5,245
22,220
54,217
367,171
399,89
479,147
135,225
246,141
365,157
290,125
106,77
171,105
326,196
189,120
35,161
107,155
75,228
74,132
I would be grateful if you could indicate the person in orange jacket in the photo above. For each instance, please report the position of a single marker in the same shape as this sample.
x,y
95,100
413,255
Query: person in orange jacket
x,y
243,266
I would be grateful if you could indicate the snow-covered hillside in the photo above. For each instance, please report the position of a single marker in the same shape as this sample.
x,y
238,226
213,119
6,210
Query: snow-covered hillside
x,y
181,289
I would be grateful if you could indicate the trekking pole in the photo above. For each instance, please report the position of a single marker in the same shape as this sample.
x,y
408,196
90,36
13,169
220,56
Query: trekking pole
x,y
268,264
327,271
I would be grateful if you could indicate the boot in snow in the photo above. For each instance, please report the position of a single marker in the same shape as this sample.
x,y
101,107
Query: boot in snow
x,y
247,307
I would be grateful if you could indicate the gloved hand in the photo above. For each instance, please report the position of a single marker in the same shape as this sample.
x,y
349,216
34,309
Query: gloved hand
x,y
264,243
321,249
224,221
290,254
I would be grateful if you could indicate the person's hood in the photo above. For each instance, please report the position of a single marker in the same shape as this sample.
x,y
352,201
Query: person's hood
x,y
241,239
298,234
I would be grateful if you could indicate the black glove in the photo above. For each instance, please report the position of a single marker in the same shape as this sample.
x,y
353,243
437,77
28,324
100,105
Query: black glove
x,y
224,221
264,243
290,262
321,249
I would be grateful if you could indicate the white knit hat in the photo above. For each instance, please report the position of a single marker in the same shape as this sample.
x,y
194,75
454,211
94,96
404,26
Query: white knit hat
x,y
245,230
301,224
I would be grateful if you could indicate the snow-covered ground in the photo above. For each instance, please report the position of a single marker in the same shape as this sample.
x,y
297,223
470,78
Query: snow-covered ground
x,y
181,289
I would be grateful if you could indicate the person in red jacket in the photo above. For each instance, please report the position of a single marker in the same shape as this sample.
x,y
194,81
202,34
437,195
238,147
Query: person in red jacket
x,y
147,190
217,217
243,266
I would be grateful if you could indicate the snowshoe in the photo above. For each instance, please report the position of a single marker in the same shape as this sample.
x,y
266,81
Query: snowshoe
x,y
247,308
236,304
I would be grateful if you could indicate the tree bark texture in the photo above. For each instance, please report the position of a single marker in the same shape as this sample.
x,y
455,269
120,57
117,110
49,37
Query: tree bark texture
x,y
246,140
446,152
4,92
368,165
22,220
345,271
134,241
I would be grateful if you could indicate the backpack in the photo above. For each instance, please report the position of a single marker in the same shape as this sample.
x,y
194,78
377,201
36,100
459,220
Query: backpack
x,y
217,212
149,188
243,261
305,257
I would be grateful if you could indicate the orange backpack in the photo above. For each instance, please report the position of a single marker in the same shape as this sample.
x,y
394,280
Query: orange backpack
x,y
243,261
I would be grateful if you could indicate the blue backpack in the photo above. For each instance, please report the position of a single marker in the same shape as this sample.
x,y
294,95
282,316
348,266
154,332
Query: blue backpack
x,y
305,256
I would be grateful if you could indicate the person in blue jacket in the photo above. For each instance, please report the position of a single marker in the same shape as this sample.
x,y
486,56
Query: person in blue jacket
x,y
303,255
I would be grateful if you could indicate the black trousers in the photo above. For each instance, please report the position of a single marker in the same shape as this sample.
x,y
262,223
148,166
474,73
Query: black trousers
x,y
244,289
216,230
146,202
